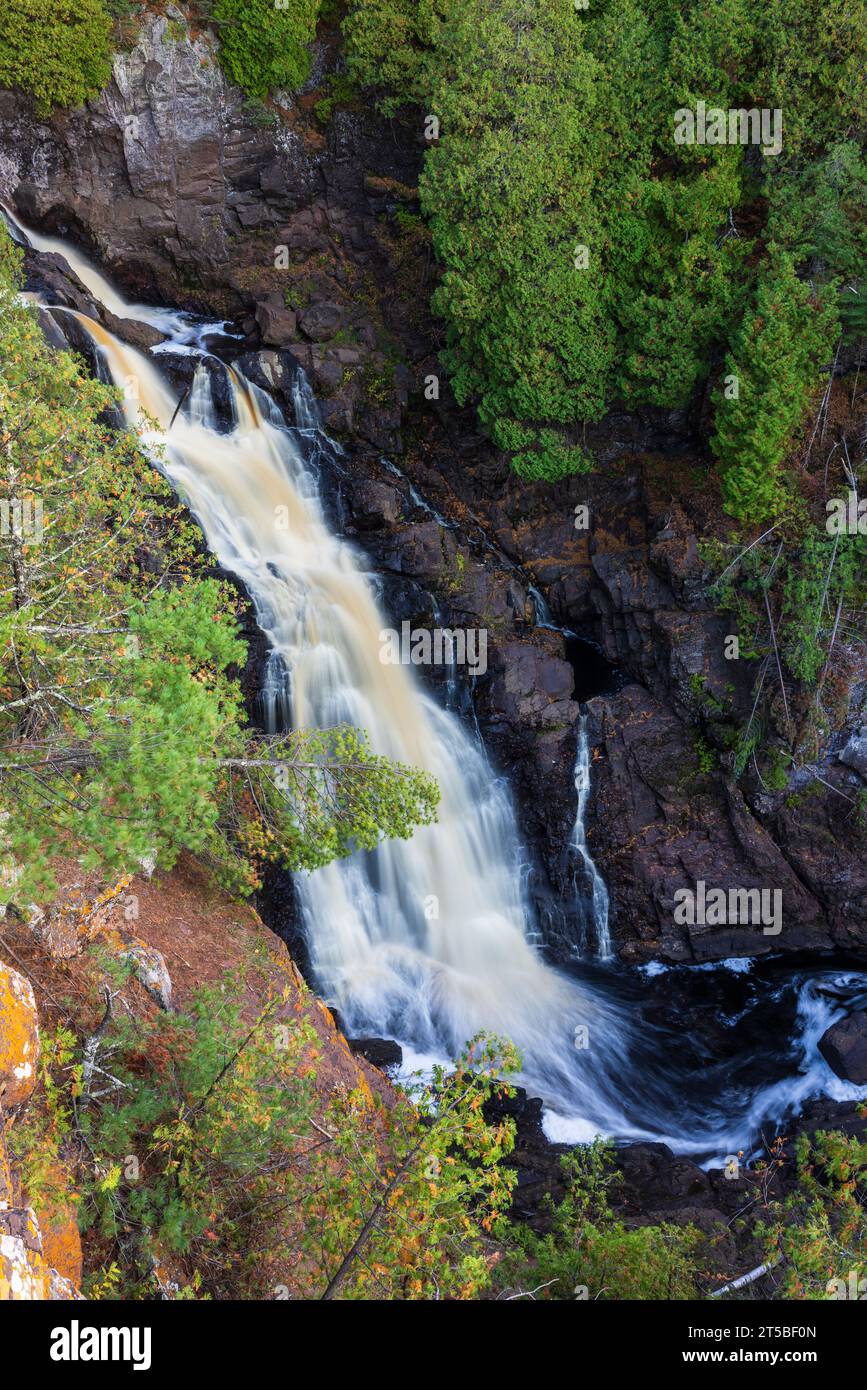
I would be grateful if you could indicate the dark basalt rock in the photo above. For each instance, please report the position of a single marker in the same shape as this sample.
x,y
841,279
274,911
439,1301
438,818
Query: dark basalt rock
x,y
846,1116
844,1047
278,325
320,322
654,1176
536,1161
186,199
382,1052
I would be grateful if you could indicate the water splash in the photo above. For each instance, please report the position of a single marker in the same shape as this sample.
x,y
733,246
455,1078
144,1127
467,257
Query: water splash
x,y
429,940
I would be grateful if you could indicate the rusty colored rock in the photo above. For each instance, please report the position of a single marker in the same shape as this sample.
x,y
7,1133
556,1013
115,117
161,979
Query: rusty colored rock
x,y
19,1037
24,1272
61,1242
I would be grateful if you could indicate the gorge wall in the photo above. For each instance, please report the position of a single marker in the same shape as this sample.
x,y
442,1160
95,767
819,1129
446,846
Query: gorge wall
x,y
305,233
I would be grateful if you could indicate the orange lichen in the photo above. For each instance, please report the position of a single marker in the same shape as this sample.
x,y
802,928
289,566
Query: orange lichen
x,y
61,1242
19,1037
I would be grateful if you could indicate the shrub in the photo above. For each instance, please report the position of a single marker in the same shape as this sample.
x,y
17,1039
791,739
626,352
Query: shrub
x,y
203,1133
821,1228
588,1253
263,46
58,50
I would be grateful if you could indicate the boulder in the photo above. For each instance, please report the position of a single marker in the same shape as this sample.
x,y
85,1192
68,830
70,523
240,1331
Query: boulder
x,y
150,969
277,324
320,322
844,1047
141,335
58,1223
19,1037
854,755
24,1273
382,1052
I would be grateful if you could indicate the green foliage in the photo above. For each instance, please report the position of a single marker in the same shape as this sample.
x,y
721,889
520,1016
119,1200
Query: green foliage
x,y
340,90
388,46
121,729
812,586
527,337
429,1214
821,1229
321,794
774,359
202,1133
825,574
704,756
588,1253
555,132
58,50
812,65
264,45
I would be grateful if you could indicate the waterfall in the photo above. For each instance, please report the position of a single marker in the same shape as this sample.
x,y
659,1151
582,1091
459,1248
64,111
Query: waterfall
x,y
424,940
427,940
181,328
598,890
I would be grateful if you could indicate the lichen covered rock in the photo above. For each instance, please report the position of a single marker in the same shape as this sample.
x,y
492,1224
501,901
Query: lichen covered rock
x,y
19,1037
24,1272
58,1223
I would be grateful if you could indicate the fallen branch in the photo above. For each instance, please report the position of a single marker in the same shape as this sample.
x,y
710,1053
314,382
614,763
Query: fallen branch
x,y
756,542
750,1278
779,663
91,1046
528,1293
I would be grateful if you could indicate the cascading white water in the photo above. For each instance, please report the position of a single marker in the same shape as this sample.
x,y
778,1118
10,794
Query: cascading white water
x,y
424,940
598,890
181,328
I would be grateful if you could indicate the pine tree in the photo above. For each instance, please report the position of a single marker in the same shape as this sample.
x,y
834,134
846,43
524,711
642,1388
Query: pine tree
x,y
121,732
774,362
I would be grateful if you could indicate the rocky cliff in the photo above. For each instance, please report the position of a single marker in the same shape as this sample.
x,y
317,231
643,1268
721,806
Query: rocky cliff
x,y
304,232
40,1250
172,935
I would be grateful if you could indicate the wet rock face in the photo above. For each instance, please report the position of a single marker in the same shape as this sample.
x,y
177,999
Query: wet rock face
x,y
664,812
187,199
844,1047
662,826
157,174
